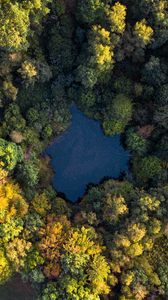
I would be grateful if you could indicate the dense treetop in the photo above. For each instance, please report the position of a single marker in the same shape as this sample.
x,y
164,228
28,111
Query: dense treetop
x,y
110,58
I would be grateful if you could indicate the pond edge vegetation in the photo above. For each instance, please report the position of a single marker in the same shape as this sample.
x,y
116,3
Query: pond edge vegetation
x,y
110,58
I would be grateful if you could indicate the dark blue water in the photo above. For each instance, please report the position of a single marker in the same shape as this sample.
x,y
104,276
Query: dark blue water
x,y
83,155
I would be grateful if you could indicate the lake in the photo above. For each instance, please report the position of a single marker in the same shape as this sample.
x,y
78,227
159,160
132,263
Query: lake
x,y
84,155
16,289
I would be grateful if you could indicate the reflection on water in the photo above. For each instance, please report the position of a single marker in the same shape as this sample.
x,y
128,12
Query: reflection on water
x,y
83,155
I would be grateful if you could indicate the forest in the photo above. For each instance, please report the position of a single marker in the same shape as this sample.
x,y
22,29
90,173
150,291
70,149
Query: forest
x,y
110,58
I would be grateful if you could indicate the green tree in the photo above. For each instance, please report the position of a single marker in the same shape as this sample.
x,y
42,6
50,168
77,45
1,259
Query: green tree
x,y
10,91
136,143
161,95
161,117
13,119
87,98
10,154
89,11
148,167
154,72
50,292
28,173
119,113
10,229
87,76
14,24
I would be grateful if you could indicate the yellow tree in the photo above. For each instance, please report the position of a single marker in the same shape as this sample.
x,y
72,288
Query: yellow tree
x,y
14,26
52,237
16,252
5,269
41,204
101,49
12,203
98,273
116,16
143,32
115,207
15,19
28,71
80,242
3,173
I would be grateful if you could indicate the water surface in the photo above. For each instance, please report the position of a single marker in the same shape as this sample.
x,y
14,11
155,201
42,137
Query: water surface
x,y
83,155
16,289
